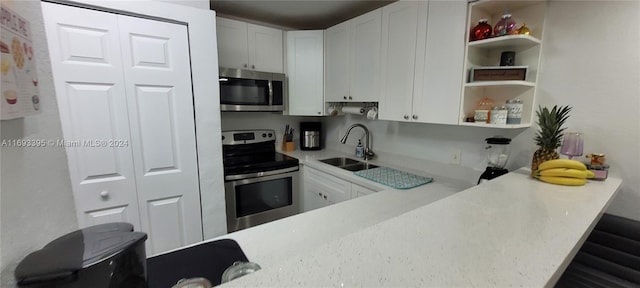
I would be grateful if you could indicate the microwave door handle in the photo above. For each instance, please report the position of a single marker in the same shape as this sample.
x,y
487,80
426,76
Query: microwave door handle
x,y
270,92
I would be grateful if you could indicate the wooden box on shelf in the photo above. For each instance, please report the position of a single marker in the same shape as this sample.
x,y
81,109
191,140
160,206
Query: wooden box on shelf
x,y
499,73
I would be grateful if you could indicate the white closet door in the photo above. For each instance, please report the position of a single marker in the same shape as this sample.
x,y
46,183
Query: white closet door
x,y
158,86
87,71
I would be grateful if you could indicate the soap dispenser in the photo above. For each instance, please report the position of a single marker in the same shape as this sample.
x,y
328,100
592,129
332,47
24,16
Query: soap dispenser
x,y
359,150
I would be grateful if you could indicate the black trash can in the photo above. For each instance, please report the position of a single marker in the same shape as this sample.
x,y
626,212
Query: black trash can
x,y
102,256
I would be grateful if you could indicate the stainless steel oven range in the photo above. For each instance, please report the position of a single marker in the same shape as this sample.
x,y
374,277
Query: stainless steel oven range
x,y
261,185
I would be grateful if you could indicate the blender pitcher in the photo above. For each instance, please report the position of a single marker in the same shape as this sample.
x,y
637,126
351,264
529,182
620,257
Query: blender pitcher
x,y
497,156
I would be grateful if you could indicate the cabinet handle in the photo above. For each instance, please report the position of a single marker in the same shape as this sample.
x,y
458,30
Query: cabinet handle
x,y
415,117
350,98
406,117
104,194
320,194
345,97
253,66
325,196
245,65
319,113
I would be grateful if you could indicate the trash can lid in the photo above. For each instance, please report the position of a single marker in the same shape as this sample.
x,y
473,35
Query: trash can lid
x,y
79,249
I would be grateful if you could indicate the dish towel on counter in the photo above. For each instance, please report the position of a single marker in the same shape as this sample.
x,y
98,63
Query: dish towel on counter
x,y
393,178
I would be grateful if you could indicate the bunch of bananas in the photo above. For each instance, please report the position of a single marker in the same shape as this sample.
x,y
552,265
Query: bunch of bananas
x,y
563,172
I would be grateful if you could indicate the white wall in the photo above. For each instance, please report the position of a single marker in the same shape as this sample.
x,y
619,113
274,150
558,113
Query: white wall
x,y
421,141
35,194
591,60
590,63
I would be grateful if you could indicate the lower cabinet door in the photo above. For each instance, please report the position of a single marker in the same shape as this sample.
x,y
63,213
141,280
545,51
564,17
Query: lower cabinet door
x,y
359,191
313,197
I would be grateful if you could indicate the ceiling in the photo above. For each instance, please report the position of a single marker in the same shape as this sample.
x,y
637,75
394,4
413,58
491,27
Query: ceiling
x,y
298,14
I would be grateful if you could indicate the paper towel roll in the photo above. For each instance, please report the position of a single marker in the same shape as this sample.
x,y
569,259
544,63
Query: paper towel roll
x,y
353,110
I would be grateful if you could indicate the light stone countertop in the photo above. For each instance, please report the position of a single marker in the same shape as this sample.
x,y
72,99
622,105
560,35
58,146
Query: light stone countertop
x,y
273,242
511,231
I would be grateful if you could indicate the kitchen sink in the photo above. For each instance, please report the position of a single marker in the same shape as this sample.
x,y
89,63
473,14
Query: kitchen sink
x,y
348,164
340,161
358,166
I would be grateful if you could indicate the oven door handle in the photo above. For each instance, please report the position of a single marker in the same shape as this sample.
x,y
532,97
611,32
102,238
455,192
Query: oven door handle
x,y
260,174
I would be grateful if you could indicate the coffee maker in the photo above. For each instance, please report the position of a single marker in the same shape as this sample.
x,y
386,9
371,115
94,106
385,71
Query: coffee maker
x,y
497,154
310,135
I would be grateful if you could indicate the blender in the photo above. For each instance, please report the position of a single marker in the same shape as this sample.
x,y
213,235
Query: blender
x,y
497,154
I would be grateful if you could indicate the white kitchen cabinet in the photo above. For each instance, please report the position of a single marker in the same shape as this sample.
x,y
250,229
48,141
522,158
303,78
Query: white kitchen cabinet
x,y
421,61
440,78
323,189
486,53
124,92
337,62
314,196
359,191
353,59
305,72
248,46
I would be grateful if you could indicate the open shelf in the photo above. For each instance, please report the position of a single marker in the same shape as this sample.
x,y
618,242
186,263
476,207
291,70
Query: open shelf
x,y
501,126
506,42
500,83
488,53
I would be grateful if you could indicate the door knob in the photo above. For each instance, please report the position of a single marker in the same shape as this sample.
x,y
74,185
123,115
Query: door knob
x,y
104,194
345,97
253,66
406,117
350,98
415,117
245,65
325,196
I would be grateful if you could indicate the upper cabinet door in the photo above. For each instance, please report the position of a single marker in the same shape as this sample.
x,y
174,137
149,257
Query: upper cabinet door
x,y
337,63
401,34
232,43
442,79
365,56
304,68
265,48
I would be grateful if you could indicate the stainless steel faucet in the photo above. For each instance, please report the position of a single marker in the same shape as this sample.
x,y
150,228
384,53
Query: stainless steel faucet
x,y
368,154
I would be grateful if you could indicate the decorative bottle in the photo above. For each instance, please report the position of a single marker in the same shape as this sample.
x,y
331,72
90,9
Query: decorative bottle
x,y
480,31
505,26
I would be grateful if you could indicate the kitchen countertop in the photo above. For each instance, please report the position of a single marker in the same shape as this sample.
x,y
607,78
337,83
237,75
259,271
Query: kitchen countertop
x,y
513,230
299,234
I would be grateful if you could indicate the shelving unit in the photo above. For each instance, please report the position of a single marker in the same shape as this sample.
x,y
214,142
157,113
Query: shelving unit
x,y
486,53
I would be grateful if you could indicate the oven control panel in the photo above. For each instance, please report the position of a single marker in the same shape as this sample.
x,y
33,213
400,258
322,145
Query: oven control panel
x,y
237,137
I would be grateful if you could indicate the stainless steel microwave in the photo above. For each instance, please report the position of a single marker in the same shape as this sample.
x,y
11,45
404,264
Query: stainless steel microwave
x,y
247,90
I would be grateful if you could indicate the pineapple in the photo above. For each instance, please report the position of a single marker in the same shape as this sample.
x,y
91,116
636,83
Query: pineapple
x,y
549,135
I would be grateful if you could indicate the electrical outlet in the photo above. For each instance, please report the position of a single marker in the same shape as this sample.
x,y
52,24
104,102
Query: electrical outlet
x,y
455,156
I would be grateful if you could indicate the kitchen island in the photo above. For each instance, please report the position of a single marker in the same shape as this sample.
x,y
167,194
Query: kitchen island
x,y
511,231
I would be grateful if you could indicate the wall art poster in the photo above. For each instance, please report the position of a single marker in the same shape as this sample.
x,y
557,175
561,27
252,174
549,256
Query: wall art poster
x,y
20,95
